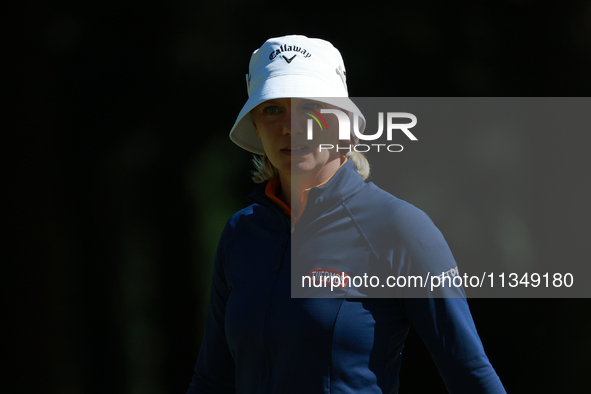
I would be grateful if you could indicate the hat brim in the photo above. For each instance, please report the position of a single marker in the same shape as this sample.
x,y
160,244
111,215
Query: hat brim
x,y
287,86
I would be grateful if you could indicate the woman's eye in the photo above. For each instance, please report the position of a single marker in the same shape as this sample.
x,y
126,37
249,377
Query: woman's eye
x,y
272,110
312,105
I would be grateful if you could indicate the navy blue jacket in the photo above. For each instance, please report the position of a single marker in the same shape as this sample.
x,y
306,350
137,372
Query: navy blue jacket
x,y
258,339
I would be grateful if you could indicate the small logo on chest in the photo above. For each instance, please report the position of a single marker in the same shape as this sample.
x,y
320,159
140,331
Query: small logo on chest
x,y
327,277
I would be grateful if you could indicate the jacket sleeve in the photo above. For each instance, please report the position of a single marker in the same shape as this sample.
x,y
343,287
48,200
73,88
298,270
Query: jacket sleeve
x,y
444,324
214,370
447,329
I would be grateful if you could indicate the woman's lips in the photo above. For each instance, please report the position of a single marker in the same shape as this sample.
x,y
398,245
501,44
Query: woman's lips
x,y
295,150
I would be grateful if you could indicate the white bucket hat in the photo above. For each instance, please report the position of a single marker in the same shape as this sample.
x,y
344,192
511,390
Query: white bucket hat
x,y
292,67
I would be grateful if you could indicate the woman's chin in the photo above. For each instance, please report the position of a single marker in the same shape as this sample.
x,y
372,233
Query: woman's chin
x,y
302,167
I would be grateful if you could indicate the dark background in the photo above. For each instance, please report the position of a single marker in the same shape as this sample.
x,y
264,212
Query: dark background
x,y
120,174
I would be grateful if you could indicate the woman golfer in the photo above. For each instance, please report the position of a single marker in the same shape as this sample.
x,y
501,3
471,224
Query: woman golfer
x,y
289,309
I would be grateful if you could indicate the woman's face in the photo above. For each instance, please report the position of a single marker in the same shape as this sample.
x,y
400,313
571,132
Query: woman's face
x,y
281,125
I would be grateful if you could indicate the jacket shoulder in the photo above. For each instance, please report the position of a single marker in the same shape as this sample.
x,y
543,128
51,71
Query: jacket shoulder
x,y
241,220
384,216
255,218
382,207
238,218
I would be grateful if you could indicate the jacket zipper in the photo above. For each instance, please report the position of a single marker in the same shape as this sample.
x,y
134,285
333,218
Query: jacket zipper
x,y
275,269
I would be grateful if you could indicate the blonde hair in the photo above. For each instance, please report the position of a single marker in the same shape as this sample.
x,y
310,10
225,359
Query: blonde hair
x,y
264,170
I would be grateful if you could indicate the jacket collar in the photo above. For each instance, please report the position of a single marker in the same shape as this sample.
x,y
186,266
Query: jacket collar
x,y
345,182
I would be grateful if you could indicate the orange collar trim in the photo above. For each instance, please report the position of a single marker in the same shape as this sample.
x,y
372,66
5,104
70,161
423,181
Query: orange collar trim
x,y
273,187
272,190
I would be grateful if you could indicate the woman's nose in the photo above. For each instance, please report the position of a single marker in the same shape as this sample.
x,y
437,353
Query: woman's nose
x,y
287,122
295,121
